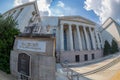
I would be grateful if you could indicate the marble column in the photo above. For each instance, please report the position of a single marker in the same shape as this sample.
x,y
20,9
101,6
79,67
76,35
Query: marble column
x,y
92,38
98,41
62,37
79,38
71,37
86,38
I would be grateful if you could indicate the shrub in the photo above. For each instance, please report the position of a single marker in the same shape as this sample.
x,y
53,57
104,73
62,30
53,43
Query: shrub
x,y
107,48
7,33
114,47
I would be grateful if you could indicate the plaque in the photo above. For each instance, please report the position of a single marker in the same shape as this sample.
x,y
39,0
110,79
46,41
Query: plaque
x,y
36,46
24,64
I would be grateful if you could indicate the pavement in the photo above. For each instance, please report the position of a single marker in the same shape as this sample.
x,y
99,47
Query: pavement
x,y
112,73
116,76
4,76
108,74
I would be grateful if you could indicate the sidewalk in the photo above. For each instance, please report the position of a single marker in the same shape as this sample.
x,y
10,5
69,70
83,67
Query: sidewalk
x,y
60,74
4,76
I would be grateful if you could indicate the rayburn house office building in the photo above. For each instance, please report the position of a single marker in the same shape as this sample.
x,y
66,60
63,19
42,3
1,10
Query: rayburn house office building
x,y
77,38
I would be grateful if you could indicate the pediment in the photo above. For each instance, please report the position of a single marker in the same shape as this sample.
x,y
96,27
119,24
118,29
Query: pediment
x,y
77,19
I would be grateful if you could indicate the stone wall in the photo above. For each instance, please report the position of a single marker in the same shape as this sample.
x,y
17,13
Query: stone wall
x,y
41,65
69,56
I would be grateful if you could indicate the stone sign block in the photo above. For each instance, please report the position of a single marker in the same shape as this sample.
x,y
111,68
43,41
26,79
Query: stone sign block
x,y
33,58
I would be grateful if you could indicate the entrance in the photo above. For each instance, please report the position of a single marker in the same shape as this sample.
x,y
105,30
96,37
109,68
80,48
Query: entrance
x,y
24,66
77,58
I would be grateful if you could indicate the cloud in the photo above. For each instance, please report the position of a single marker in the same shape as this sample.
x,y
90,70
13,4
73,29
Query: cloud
x,y
43,5
60,4
104,8
19,2
62,10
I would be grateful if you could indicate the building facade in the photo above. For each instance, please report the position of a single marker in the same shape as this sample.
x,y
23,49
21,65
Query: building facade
x,y
24,15
77,38
110,30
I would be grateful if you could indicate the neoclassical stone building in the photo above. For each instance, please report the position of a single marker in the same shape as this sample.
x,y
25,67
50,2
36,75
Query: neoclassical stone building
x,y
77,38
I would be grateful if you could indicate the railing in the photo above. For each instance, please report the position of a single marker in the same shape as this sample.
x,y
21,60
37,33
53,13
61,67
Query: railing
x,y
72,74
23,77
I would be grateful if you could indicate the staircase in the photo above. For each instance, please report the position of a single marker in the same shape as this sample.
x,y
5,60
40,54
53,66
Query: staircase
x,y
71,74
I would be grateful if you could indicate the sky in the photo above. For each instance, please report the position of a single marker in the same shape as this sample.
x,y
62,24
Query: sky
x,y
95,10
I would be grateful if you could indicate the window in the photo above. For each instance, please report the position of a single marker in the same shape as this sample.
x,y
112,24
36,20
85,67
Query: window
x,y
54,31
26,30
86,57
93,56
21,9
18,13
77,58
36,29
14,12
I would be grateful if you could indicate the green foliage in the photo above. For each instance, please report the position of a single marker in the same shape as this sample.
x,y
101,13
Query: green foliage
x,y
7,34
114,47
107,48
110,49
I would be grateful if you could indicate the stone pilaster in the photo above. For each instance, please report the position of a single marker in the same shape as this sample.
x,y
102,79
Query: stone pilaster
x,y
93,38
61,37
79,38
71,37
86,38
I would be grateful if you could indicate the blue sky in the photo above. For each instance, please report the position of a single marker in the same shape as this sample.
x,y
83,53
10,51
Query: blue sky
x,y
6,5
77,5
95,10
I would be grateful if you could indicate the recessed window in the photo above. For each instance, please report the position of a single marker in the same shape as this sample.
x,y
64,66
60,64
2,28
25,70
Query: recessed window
x,y
21,9
54,32
86,57
77,58
93,56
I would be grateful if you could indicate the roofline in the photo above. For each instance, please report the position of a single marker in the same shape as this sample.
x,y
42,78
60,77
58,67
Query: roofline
x,y
107,20
33,2
111,19
80,17
72,16
89,21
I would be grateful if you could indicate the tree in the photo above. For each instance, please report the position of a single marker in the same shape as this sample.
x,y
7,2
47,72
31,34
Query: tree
x,y
114,46
107,48
7,33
